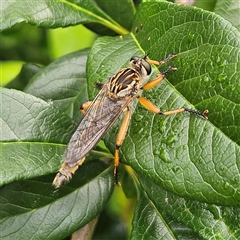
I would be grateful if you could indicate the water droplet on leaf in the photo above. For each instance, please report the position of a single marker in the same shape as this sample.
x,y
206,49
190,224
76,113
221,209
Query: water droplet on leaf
x,y
226,185
162,127
218,60
165,156
191,37
206,79
138,117
221,77
176,169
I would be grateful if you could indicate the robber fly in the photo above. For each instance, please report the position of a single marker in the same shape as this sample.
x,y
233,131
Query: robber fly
x,y
115,97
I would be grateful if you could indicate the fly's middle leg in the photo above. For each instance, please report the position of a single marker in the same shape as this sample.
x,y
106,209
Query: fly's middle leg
x,y
120,137
153,108
85,105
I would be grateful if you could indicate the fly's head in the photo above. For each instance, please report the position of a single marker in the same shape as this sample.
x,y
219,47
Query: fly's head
x,y
141,65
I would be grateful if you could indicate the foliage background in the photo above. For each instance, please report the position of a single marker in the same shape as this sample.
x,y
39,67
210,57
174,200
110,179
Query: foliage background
x,y
191,217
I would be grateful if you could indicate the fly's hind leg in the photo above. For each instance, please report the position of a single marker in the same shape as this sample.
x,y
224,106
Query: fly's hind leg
x,y
65,173
120,137
84,107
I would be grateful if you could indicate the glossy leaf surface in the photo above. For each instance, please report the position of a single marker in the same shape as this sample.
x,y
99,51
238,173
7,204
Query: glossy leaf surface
x,y
187,168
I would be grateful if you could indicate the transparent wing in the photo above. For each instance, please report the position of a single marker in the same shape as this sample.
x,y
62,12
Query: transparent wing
x,y
99,117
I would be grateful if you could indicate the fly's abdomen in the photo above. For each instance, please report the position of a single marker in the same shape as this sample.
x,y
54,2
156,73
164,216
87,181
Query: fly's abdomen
x,y
65,173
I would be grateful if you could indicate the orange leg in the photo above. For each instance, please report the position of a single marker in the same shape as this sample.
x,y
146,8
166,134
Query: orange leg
x,y
158,79
84,107
158,63
153,108
160,76
120,137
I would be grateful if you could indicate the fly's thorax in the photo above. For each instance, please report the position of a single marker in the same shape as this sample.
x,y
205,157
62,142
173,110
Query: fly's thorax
x,y
125,83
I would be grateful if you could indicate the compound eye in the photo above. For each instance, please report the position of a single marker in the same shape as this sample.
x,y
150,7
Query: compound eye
x,y
135,58
147,66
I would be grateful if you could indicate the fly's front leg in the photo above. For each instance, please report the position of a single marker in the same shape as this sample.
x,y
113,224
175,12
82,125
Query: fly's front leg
x,y
98,85
161,75
158,79
120,137
161,62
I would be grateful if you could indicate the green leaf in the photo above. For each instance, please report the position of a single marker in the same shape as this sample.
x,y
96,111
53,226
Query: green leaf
x,y
120,11
166,214
28,70
35,118
146,215
60,43
36,141
206,5
230,10
30,209
32,145
65,89
187,155
9,70
23,160
160,225
52,14
26,43
174,157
